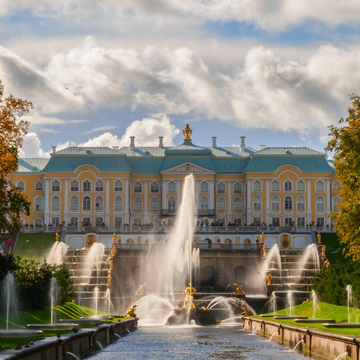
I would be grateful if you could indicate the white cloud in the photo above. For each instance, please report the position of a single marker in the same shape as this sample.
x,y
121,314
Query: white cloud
x,y
100,128
31,147
65,145
146,132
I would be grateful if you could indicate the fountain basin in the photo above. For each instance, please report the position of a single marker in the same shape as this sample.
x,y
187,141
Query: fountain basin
x,y
267,316
314,321
285,317
19,333
62,326
342,325
87,320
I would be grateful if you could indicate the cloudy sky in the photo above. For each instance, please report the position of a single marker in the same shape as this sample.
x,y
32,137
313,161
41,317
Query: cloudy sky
x,y
98,71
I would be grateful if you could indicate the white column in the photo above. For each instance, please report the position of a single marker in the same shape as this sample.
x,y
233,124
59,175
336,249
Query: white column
x,y
164,189
146,211
248,202
309,212
229,200
66,202
267,211
328,199
47,200
107,201
178,195
127,197
197,194
211,191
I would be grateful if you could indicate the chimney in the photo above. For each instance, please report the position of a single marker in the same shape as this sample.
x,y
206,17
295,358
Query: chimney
x,y
214,141
242,142
115,147
262,147
132,142
161,139
53,149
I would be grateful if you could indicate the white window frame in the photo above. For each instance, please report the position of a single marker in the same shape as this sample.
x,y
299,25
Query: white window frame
x,y
86,181
82,203
319,186
336,200
286,207
58,222
221,190
154,187
71,205
20,188
218,208
52,184
256,186
71,185
121,185
335,185
256,205
322,207
36,185
118,208
204,187
84,220
298,220
288,183
152,207
276,220
171,209
204,203
238,188
77,221
41,208
171,187
238,208
257,220
101,205
136,202
39,219
277,204
302,182
52,199
300,203
119,219
322,222
100,182
275,186
138,187
288,221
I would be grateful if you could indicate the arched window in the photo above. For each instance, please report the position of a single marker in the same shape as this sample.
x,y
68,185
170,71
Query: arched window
x,y
204,204
221,204
256,185
154,187
171,205
300,222
118,203
335,186
319,186
300,185
237,204
336,201
74,185
86,203
221,188
154,204
288,203
171,187
275,203
118,185
55,203
257,202
275,186
38,203
138,187
20,185
99,186
288,185
55,185
301,203
86,185
99,203
39,185
320,203
137,204
74,203
204,187
237,188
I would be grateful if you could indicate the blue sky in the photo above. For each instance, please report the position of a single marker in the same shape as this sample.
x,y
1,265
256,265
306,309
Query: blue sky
x,y
97,72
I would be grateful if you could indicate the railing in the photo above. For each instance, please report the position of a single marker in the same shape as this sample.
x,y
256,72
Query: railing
x,y
167,212
205,212
205,247
169,228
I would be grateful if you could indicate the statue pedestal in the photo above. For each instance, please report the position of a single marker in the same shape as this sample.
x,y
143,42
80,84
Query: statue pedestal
x,y
240,296
268,290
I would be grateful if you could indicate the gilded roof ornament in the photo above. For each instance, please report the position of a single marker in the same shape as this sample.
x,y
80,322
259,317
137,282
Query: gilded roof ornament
x,y
187,133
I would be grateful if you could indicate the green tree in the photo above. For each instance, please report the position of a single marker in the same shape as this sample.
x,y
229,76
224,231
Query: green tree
x,y
345,143
65,283
7,263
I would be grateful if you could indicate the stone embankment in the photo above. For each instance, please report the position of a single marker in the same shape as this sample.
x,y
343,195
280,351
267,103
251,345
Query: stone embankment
x,y
80,344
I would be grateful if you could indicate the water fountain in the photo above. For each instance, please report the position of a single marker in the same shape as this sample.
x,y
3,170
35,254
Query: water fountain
x,y
57,253
108,301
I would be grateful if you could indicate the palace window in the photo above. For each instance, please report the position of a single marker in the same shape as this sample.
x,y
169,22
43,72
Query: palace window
x,y
204,204
137,204
20,185
99,203
74,203
320,222
288,203
275,221
55,221
118,185
74,221
288,221
136,222
118,203
275,186
288,185
154,188
86,203
98,221
154,204
38,203
39,185
237,204
87,221
138,187
301,203
99,186
320,203
257,202
55,203
74,185
237,188
275,203
171,205
86,185
118,221
336,201
300,222
257,221
171,187
221,204
55,185
300,185
256,185
221,188
319,186
335,186
38,222
237,222
204,187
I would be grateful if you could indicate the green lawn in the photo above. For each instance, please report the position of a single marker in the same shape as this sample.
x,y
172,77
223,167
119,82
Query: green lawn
x,y
36,246
325,311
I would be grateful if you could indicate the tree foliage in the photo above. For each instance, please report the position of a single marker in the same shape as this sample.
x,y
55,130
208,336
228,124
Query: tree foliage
x,y
12,131
65,283
345,142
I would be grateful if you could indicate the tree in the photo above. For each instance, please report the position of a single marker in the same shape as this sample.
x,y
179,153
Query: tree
x,y
12,131
65,283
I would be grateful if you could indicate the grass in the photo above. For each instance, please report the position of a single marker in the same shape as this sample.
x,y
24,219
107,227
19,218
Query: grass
x,y
36,247
324,311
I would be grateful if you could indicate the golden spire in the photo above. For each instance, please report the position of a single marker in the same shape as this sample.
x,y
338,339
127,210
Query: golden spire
x,y
187,133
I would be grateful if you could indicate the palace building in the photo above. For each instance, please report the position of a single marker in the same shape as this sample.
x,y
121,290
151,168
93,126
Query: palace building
x,y
276,186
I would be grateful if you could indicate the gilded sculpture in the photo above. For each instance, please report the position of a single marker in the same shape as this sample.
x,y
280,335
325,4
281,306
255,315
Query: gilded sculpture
x,y
326,264
190,292
262,238
57,237
264,250
113,238
239,290
323,255
187,133
109,279
318,236
131,311
140,290
246,312
269,279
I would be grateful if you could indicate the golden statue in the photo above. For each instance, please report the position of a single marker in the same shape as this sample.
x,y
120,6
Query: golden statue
x,y
187,133
140,290
113,238
246,311
318,236
326,264
239,290
109,279
131,311
269,279
205,308
262,238
189,291
111,265
113,251
57,237
323,249
264,250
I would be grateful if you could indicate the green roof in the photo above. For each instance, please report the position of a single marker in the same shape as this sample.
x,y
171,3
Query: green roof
x,y
88,151
288,151
188,149
32,164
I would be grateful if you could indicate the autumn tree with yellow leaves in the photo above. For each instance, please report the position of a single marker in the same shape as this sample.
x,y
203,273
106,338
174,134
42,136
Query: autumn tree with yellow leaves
x,y
12,131
345,143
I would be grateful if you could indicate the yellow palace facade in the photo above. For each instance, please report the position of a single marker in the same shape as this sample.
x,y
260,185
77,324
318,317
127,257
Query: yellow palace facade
x,y
143,185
